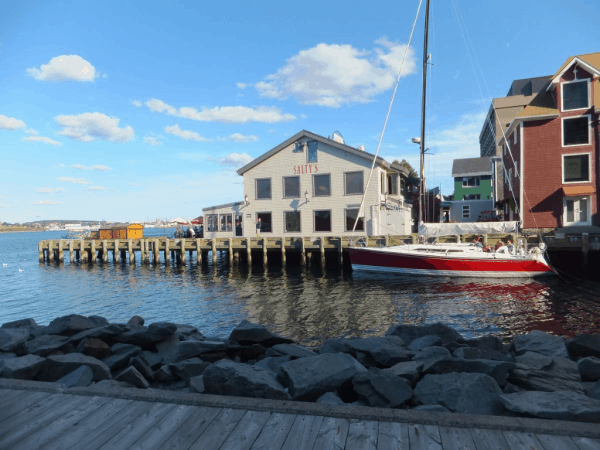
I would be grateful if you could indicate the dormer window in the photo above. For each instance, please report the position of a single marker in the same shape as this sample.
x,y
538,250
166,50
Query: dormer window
x,y
575,95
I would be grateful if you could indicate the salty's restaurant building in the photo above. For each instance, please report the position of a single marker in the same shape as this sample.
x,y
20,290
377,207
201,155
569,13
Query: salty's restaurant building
x,y
310,185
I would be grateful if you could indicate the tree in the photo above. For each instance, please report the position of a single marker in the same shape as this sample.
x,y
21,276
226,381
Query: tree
x,y
407,166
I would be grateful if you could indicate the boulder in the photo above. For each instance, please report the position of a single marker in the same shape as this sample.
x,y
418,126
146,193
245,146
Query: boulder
x,y
329,398
7,355
558,405
143,336
482,352
189,332
105,333
70,325
540,342
136,320
293,350
370,352
56,367
196,385
594,392
309,378
94,347
22,368
252,352
589,368
117,361
189,349
469,393
79,377
142,366
46,344
584,345
382,389
431,408
498,370
424,342
23,323
165,346
164,373
154,360
126,349
409,370
411,332
537,372
273,364
493,342
131,375
98,321
430,355
231,378
13,339
248,333
189,368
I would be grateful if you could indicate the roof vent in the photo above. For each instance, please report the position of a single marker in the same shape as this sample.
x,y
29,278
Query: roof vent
x,y
337,137
361,148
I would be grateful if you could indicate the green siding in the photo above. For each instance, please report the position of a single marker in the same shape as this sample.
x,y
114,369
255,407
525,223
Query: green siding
x,y
485,188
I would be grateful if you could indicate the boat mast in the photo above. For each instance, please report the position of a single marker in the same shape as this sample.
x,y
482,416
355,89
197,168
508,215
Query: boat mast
x,y
425,62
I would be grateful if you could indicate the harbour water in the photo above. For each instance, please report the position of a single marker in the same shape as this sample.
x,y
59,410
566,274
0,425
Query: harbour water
x,y
308,305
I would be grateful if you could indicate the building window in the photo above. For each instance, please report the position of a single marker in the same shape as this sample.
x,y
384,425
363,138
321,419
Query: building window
x,y
263,188
312,155
515,135
226,222
292,221
351,215
393,184
575,95
576,131
266,224
576,168
212,222
291,187
472,197
323,220
470,181
466,211
353,183
322,185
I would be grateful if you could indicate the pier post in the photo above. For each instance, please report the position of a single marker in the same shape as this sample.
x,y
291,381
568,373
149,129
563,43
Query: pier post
x,y
93,251
585,247
283,260
167,254
198,251
130,251
341,250
71,252
104,251
156,251
40,251
182,251
83,255
50,250
61,253
230,251
249,250
302,252
146,251
213,243
264,248
116,254
322,251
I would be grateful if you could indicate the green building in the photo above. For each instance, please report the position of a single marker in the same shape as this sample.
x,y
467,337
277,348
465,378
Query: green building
x,y
473,191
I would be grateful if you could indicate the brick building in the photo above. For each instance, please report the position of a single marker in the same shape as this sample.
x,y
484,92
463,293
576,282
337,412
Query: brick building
x,y
550,153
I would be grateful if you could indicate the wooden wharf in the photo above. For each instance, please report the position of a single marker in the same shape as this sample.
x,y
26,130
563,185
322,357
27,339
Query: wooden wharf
x,y
35,415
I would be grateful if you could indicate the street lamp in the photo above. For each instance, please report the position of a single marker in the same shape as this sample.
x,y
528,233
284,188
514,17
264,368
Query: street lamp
x,y
306,196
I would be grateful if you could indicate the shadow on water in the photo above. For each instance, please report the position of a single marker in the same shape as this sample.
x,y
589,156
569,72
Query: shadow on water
x,y
307,305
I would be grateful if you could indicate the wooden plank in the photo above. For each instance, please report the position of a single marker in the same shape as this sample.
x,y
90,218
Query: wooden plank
x,y
30,412
155,437
219,429
76,433
424,437
21,401
456,438
274,433
551,442
9,394
522,441
58,426
189,431
392,436
489,439
247,430
303,432
332,434
134,430
587,443
362,435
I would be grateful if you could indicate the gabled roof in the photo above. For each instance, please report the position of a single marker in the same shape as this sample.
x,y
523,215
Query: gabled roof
x,y
471,167
316,137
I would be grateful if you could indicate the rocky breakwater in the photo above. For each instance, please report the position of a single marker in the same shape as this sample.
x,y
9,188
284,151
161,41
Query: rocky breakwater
x,y
426,368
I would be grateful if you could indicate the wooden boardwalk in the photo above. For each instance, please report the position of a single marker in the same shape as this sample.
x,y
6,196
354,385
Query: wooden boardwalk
x,y
46,420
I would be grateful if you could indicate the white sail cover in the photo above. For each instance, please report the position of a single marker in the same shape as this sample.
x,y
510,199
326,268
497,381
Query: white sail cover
x,y
452,229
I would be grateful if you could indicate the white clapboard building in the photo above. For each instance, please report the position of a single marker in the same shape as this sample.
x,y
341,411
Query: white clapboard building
x,y
310,185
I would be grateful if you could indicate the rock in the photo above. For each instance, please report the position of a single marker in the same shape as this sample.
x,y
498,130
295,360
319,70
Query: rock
x,y
21,368
294,350
537,372
165,346
164,373
430,355
117,361
247,333
469,393
196,385
154,359
69,325
189,349
273,364
136,320
329,398
79,377
46,344
230,378
409,370
540,342
424,342
162,328
189,368
189,332
126,349
143,336
5,355
142,366
23,323
98,321
94,347
382,389
370,352
131,375
493,342
558,405
594,392
511,388
252,352
589,368
309,378
13,339
411,332
431,408
480,353
104,333
56,367
584,345
498,370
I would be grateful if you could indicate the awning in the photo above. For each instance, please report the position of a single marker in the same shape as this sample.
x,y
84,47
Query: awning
x,y
570,191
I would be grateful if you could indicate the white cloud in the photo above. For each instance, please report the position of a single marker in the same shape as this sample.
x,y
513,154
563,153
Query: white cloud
x,y
225,114
74,180
46,190
89,127
31,132
334,75
151,140
43,139
303,116
45,202
271,131
132,184
65,68
136,103
10,123
186,135
242,85
238,137
95,188
235,160
96,167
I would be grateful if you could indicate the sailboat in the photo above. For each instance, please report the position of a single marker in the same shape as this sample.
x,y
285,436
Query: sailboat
x,y
451,259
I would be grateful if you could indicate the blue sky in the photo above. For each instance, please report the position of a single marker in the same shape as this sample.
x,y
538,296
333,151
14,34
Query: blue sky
x,y
138,110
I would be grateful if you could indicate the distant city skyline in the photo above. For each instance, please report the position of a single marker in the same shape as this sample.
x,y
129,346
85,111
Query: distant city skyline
x,y
119,112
